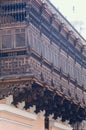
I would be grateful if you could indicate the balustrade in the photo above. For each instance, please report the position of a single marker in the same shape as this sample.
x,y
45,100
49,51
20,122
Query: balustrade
x,y
42,45
12,38
12,11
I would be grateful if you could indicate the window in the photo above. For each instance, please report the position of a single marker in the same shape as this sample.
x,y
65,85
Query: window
x,y
6,39
55,59
54,54
70,67
84,77
36,44
78,72
35,40
63,60
46,50
10,36
20,37
31,38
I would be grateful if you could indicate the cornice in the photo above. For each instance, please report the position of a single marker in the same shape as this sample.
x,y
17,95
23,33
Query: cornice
x,y
62,19
11,109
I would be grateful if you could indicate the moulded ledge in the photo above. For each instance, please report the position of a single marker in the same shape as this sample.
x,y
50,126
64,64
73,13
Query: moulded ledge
x,y
17,111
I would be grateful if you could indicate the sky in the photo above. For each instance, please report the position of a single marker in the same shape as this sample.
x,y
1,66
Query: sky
x,y
74,11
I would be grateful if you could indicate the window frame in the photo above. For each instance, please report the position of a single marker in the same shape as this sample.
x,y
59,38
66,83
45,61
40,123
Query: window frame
x,y
4,33
15,44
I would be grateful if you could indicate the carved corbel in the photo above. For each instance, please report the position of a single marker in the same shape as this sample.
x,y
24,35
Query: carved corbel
x,y
42,114
69,33
82,48
9,99
32,109
52,18
66,122
76,41
51,116
61,26
21,105
59,119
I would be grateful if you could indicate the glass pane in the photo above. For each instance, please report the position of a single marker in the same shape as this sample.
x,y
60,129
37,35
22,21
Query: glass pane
x,y
20,39
6,41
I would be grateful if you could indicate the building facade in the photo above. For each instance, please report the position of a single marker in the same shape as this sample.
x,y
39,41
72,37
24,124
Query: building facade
x,y
42,68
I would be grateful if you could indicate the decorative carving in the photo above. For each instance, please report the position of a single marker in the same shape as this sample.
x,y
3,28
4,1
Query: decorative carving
x,y
44,102
9,99
32,109
61,27
26,93
69,33
76,41
66,122
51,116
59,119
82,48
21,105
42,114
52,18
